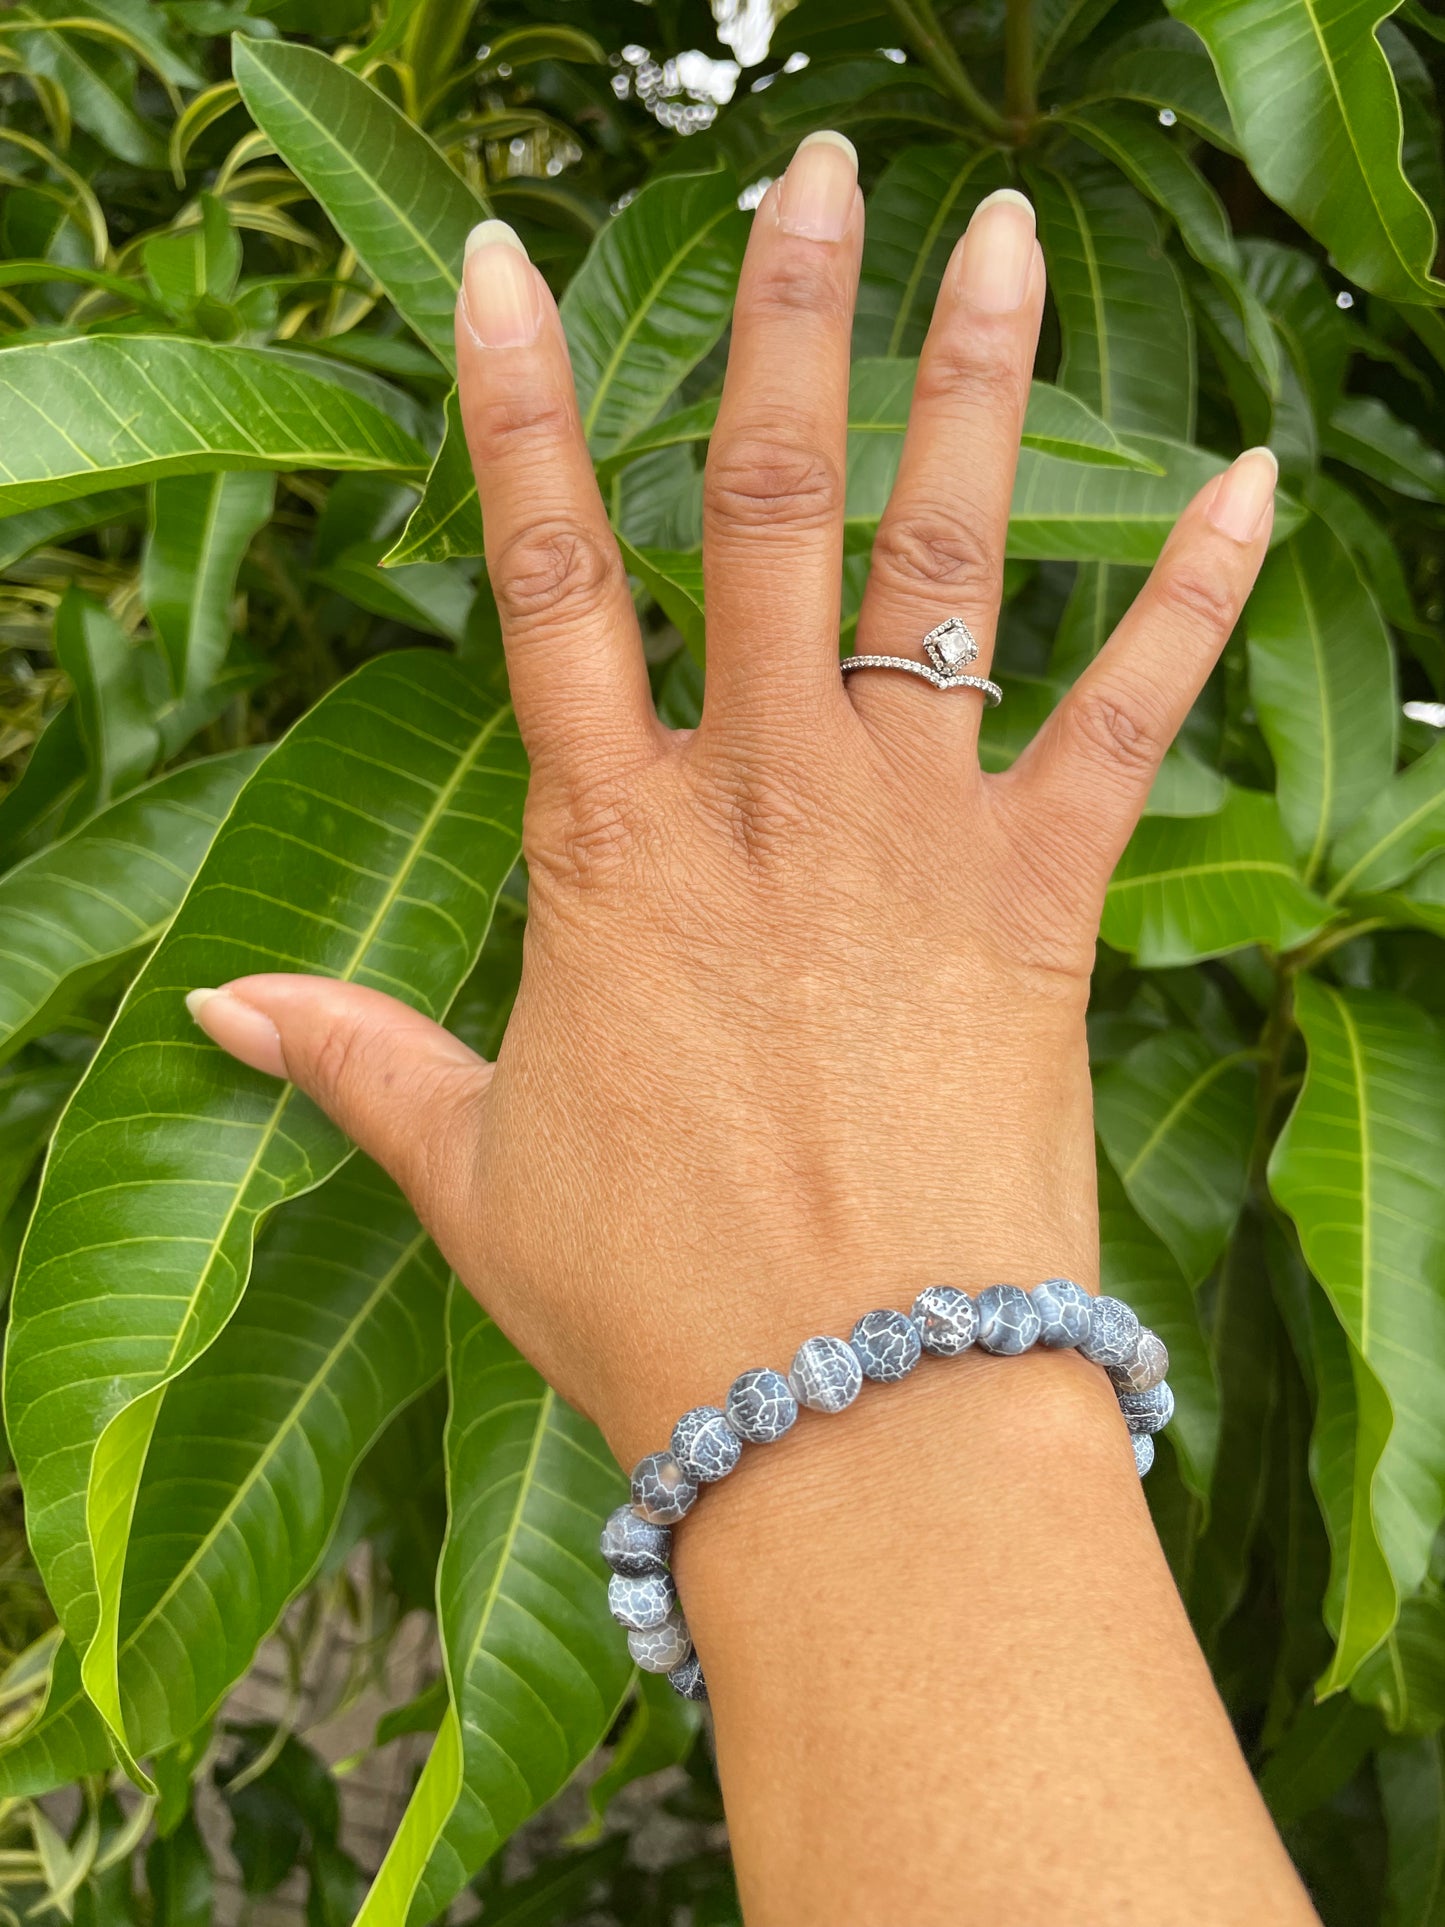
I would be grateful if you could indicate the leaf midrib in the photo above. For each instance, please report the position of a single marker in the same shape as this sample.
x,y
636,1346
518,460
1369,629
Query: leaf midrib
x,y
1195,1090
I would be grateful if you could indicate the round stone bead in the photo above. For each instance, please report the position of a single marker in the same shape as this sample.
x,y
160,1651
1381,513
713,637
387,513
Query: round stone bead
x,y
687,1679
1143,1451
1113,1332
888,1345
761,1407
1145,1367
643,1602
705,1445
663,1647
633,1545
1147,1411
1007,1321
1063,1309
661,1490
947,1320
826,1375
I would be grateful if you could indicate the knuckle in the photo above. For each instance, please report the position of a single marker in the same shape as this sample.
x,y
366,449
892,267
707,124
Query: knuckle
x,y
554,572
1117,734
933,551
1200,599
976,372
503,427
759,482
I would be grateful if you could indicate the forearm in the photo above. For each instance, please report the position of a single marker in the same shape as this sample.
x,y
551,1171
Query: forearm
x,y
952,1679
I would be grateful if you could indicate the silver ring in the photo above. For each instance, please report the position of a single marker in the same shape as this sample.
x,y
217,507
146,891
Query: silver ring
x,y
948,647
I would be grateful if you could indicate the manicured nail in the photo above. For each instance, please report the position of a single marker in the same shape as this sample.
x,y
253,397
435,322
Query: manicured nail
x,y
1245,491
997,254
238,1028
819,188
499,287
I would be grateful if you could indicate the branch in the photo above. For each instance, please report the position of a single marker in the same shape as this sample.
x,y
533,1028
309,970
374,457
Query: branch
x,y
921,29
1021,100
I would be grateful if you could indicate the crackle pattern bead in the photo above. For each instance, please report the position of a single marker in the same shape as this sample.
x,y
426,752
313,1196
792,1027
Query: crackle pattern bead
x,y
1147,1411
1063,1309
887,1344
760,1406
1143,1451
1113,1332
661,1648
1145,1367
947,1320
661,1490
633,1545
1007,1321
705,1445
642,1602
826,1375
687,1679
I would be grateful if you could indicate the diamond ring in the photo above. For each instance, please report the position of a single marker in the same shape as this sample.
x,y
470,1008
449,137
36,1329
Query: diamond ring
x,y
948,648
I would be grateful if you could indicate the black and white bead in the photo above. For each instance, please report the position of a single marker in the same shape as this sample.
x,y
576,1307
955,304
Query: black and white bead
x,y
826,1375
661,1490
640,1602
1113,1333
888,1345
947,1320
687,1679
705,1445
1145,1367
761,1406
634,1545
1147,1411
1007,1321
1063,1308
661,1648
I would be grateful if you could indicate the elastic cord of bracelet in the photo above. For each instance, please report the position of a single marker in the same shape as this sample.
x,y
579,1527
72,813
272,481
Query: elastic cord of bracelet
x,y
827,1374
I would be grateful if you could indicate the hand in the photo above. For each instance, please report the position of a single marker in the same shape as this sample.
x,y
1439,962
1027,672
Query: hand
x,y
801,1023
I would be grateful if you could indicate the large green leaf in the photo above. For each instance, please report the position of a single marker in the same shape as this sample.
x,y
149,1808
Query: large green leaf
x,y
1314,103
369,846
1193,887
447,521
1322,674
1176,1120
1363,432
114,698
1357,1168
83,415
1081,512
521,1599
200,530
1412,1792
653,295
32,1092
1400,829
923,202
1166,66
73,913
386,189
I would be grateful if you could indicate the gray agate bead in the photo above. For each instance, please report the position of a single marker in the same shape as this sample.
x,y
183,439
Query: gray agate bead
x,y
661,1490
1113,1332
1063,1309
687,1679
888,1345
661,1648
705,1445
643,1602
826,1375
633,1545
1143,1451
947,1320
1147,1411
1145,1367
1007,1321
760,1406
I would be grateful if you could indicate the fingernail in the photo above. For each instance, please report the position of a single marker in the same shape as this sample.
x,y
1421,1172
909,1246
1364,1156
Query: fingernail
x,y
1245,491
819,188
499,287
997,254
239,1028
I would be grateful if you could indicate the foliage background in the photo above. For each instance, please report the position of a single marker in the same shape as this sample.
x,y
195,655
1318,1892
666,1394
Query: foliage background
x,y
234,513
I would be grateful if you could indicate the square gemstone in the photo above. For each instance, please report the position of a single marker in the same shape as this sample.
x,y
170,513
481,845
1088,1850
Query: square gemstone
x,y
953,642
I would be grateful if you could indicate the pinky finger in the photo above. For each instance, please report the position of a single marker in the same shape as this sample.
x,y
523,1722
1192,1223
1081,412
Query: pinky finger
x,y
1088,772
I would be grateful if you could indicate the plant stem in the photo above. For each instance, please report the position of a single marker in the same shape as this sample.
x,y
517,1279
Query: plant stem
x,y
1021,100
921,29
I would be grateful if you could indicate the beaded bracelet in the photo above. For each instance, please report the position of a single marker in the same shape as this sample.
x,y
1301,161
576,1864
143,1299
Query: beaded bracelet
x,y
827,1375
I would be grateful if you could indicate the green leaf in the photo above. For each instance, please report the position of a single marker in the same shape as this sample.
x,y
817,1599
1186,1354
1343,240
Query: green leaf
x,y
114,697
98,82
431,596
447,521
86,414
1166,67
1322,675
1177,1121
200,530
1412,1792
20,534
916,215
186,264
653,295
1193,887
369,846
1311,94
861,97
1399,831
522,1605
387,191
1356,1168
661,1731
180,1877
1081,512
73,914
1363,432
32,1094
674,581
1128,341
1405,1677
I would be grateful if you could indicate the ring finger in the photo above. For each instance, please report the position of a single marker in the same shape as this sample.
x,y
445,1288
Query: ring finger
x,y
940,544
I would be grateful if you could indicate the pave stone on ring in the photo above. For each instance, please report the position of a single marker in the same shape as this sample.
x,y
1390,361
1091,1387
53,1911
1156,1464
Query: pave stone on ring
x,y
948,647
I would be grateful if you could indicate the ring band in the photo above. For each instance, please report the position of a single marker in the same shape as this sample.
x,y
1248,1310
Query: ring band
x,y
948,647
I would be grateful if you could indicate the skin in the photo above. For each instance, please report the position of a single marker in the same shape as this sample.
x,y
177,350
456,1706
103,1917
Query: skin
x,y
801,1029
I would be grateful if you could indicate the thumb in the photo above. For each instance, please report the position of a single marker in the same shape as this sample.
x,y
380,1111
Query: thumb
x,y
396,1083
